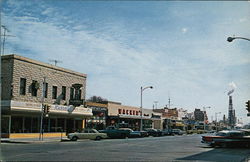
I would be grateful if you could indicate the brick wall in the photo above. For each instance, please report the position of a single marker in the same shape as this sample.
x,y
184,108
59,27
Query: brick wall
x,y
34,70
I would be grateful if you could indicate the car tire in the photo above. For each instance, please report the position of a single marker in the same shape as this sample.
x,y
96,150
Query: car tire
x,y
98,138
74,138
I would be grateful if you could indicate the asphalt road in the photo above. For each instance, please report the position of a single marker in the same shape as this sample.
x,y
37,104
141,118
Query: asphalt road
x,y
168,148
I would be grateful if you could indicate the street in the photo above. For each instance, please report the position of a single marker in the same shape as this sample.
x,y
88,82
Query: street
x,y
167,148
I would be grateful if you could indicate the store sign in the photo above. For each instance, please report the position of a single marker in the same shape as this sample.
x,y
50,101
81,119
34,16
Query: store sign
x,y
25,105
71,109
53,108
94,108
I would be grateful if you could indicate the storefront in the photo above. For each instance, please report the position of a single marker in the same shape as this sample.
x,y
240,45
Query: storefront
x,y
25,118
128,116
98,120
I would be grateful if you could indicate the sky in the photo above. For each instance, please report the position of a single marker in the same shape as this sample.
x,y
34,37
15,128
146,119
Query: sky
x,y
178,47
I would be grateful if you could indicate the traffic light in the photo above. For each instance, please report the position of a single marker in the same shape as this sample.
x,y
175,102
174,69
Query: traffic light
x,y
45,108
248,106
48,109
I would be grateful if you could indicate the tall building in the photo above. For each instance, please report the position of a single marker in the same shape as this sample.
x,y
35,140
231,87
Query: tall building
x,y
199,115
28,86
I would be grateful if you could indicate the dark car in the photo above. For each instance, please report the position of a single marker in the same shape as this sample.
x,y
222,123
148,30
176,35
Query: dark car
x,y
228,138
177,132
113,132
167,132
154,132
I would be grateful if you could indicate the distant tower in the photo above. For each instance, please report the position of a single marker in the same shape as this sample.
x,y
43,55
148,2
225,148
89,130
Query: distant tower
x,y
231,113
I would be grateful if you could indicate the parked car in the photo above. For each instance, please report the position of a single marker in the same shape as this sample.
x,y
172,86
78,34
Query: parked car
x,y
167,132
154,132
132,134
87,134
228,138
114,132
177,132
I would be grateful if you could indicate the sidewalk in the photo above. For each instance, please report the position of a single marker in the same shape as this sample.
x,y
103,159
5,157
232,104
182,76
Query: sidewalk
x,y
34,140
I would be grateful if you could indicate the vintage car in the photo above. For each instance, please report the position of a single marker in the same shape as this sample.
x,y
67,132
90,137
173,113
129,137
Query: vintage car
x,y
114,132
87,134
228,138
154,132
135,134
177,132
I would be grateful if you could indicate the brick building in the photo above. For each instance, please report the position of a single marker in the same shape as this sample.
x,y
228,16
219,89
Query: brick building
x,y
28,85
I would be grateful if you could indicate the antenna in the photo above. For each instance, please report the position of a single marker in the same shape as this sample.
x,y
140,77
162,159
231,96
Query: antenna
x,y
5,29
55,61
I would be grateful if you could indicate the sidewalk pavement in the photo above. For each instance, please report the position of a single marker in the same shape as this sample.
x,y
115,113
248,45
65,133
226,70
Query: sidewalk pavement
x,y
34,140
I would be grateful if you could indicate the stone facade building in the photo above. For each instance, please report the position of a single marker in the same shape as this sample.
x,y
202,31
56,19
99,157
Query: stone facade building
x,y
28,86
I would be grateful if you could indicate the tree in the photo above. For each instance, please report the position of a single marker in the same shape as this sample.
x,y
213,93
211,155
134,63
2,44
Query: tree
x,y
97,99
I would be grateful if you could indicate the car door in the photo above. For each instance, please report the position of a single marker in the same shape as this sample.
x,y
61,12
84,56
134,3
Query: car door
x,y
93,134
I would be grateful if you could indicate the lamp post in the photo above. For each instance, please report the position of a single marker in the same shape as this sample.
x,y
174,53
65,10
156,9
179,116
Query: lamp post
x,y
230,39
204,110
142,89
216,120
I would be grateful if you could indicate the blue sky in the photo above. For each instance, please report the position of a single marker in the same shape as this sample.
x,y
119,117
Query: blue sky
x,y
180,48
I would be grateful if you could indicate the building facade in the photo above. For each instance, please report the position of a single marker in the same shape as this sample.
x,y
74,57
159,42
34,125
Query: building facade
x,y
130,116
28,86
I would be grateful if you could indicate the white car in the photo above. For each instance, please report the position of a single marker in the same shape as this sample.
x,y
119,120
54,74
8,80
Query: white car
x,y
87,134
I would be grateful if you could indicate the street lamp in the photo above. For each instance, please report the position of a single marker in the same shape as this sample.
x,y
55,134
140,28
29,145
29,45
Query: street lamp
x,y
204,110
216,120
230,39
142,89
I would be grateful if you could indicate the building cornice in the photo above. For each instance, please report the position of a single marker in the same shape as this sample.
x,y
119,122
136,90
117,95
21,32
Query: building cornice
x,y
21,58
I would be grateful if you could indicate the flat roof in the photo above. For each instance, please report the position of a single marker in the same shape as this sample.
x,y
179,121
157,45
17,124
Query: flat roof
x,y
25,59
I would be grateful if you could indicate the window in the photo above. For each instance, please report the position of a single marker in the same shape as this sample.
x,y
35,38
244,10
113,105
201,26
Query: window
x,y
34,87
22,86
71,93
54,92
63,92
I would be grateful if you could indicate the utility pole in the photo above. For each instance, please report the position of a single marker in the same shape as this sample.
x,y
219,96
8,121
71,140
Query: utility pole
x,y
169,102
42,113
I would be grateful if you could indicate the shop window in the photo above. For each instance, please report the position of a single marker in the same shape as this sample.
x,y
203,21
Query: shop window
x,y
119,111
133,112
63,92
27,125
127,112
16,124
54,92
35,125
123,111
130,112
22,86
